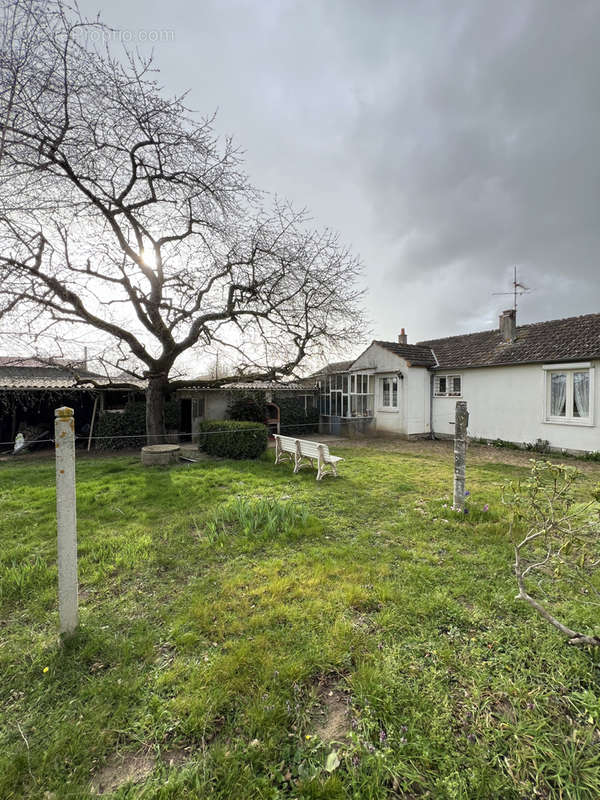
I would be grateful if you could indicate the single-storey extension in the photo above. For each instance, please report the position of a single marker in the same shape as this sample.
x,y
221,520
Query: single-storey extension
x,y
32,388
523,384
288,405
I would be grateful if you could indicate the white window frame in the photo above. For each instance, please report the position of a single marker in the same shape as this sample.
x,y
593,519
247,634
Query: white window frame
x,y
357,396
390,407
569,370
450,376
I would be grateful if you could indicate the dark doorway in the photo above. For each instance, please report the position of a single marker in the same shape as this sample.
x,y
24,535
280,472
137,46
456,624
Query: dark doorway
x,y
185,419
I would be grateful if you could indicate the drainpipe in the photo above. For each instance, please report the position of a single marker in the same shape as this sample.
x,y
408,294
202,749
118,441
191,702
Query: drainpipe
x,y
431,380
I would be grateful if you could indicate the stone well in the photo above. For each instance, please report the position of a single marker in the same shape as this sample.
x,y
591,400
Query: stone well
x,y
160,454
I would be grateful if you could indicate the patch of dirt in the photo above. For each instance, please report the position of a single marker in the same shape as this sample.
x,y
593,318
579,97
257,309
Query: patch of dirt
x,y
504,710
333,718
175,756
365,622
120,769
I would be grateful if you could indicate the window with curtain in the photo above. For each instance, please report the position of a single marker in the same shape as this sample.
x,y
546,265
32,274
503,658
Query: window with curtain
x,y
569,395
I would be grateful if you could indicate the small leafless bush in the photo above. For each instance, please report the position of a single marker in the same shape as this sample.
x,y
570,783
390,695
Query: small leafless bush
x,y
556,534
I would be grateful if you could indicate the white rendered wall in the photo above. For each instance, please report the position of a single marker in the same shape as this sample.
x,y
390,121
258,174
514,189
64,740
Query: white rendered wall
x,y
385,364
509,403
412,415
417,389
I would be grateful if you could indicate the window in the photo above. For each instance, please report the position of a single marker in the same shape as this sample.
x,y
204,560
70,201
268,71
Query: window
x,y
343,395
115,401
448,386
308,400
389,392
569,394
197,407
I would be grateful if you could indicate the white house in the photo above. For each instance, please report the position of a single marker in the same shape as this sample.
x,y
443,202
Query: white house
x,y
522,384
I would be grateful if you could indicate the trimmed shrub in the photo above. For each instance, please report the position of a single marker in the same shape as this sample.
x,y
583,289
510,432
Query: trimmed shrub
x,y
232,438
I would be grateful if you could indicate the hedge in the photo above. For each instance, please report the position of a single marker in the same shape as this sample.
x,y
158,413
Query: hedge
x,y
232,439
294,420
248,407
129,423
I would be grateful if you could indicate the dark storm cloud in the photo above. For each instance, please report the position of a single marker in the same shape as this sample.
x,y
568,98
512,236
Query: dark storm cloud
x,y
446,141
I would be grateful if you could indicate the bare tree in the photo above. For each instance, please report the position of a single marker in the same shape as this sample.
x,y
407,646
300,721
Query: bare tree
x,y
122,214
556,536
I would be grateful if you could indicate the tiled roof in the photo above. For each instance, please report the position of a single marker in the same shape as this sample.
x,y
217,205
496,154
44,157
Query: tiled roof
x,y
559,340
33,373
251,386
27,361
335,366
417,355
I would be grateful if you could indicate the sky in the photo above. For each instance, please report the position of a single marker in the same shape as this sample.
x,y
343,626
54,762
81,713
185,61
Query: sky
x,y
447,142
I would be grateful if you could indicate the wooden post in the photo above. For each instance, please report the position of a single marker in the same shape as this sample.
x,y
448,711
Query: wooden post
x,y
66,520
460,454
92,423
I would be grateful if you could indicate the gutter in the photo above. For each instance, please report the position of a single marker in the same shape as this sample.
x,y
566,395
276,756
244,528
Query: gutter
x,y
431,387
431,380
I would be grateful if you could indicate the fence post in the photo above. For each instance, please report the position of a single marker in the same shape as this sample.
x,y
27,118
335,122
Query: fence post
x,y
460,454
66,519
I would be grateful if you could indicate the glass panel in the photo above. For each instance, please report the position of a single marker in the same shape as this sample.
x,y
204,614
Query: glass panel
x,y
345,406
442,385
386,392
352,383
581,394
558,394
395,392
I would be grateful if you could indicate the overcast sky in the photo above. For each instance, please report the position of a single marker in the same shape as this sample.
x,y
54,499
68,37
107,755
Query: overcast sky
x,y
445,141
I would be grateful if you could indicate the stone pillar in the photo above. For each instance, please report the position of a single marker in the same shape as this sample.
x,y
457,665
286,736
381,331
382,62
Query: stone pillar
x,y
66,520
460,454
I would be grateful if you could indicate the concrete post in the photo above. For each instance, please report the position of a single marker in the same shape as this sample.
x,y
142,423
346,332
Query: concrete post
x,y
66,519
460,454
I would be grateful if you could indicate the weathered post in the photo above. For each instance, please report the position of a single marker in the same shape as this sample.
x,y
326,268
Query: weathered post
x,y
460,454
66,519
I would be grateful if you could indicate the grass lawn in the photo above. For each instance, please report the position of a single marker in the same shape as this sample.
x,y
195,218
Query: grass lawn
x,y
250,633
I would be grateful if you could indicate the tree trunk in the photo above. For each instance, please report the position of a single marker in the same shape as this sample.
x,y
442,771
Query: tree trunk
x,y
156,432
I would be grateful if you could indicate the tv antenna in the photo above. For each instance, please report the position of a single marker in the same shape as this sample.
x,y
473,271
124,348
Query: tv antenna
x,y
518,290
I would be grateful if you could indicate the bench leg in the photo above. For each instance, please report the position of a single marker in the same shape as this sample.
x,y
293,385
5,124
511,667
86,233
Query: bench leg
x,y
326,468
300,462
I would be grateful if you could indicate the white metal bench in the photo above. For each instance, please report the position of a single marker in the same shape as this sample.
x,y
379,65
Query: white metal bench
x,y
301,451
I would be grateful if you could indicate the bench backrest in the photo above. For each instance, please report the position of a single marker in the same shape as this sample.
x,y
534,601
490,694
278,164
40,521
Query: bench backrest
x,y
307,448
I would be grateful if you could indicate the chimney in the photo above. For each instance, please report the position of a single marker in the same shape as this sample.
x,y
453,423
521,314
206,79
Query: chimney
x,y
402,338
508,325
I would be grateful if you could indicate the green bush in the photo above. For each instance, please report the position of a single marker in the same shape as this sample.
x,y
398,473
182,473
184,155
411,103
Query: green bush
x,y
129,423
294,420
248,408
232,438
126,429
